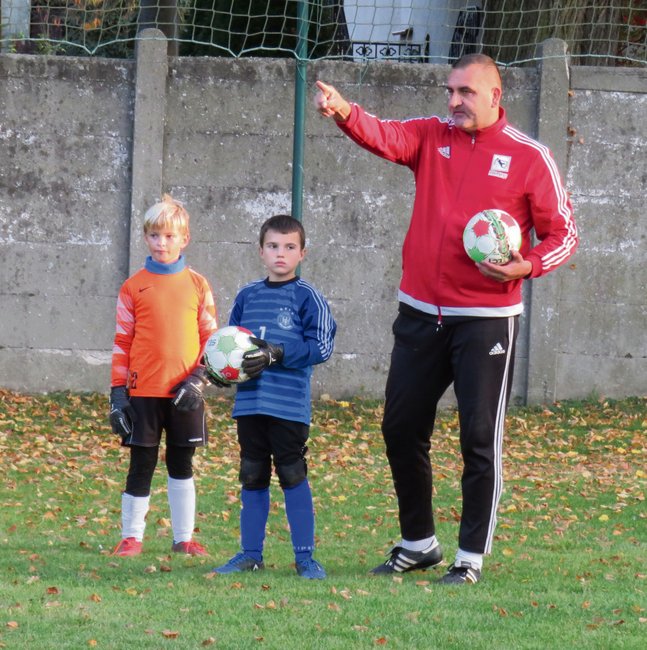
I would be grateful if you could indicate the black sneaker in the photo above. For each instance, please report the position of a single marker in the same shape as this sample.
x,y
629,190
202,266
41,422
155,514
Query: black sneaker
x,y
402,560
465,574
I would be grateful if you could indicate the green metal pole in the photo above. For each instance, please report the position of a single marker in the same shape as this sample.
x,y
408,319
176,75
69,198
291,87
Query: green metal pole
x,y
300,90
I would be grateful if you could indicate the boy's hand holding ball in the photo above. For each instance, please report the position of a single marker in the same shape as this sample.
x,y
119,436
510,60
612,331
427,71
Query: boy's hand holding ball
x,y
255,361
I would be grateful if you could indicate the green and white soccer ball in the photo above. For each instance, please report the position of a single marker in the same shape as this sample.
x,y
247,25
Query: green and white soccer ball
x,y
223,354
490,235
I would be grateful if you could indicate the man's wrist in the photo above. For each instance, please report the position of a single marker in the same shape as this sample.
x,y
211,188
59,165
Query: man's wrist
x,y
343,113
529,273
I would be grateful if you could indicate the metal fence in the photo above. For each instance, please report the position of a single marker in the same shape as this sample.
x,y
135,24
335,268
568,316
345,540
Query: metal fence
x,y
598,32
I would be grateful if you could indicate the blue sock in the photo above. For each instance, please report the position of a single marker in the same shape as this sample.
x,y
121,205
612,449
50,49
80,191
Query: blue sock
x,y
253,519
301,518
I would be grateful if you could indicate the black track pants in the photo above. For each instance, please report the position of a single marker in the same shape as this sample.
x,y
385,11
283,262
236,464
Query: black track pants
x,y
478,356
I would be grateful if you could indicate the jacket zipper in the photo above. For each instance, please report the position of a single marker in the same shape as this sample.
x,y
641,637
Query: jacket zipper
x,y
439,324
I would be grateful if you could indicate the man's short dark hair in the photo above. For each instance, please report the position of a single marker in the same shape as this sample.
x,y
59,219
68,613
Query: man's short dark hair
x,y
477,59
285,224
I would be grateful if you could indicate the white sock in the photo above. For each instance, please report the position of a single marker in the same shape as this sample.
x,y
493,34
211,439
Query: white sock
x,y
133,516
475,560
181,500
420,544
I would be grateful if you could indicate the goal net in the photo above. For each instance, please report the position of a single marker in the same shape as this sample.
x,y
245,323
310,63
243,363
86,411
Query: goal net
x,y
598,32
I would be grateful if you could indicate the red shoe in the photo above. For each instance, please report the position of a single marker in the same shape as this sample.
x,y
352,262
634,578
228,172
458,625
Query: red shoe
x,y
189,548
128,547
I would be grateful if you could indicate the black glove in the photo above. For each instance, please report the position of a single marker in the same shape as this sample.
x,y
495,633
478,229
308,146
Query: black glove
x,y
255,361
217,382
211,378
189,390
122,414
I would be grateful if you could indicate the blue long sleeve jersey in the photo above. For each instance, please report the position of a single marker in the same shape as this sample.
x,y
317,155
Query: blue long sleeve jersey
x,y
295,314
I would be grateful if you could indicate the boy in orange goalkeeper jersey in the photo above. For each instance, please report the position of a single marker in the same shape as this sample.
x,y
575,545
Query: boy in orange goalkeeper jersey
x,y
165,314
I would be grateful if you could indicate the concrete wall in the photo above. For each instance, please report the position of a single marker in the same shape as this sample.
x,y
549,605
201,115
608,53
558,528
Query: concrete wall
x,y
65,169
603,333
87,144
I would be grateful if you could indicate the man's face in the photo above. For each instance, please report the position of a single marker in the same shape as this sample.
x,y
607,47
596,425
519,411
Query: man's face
x,y
473,95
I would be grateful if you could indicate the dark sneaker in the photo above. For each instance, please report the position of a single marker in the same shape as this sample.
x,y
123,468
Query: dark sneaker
x,y
464,574
402,560
310,569
240,562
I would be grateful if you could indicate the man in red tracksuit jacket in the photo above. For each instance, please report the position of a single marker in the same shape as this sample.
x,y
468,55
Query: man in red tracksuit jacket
x,y
458,320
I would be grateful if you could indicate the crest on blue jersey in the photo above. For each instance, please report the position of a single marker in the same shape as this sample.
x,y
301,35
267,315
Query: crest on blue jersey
x,y
284,319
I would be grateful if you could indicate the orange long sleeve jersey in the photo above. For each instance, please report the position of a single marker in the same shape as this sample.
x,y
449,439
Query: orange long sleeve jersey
x,y
165,314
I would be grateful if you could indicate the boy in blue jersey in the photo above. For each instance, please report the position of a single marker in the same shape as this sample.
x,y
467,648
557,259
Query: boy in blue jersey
x,y
295,330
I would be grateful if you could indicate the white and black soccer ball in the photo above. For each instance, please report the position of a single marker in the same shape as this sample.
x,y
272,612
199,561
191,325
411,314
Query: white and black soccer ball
x,y
223,354
490,235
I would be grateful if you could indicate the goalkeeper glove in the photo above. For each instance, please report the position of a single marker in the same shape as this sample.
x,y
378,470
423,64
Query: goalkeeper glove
x,y
255,361
189,391
217,382
122,414
212,378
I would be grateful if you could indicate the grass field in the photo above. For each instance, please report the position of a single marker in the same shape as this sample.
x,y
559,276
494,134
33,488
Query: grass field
x,y
568,567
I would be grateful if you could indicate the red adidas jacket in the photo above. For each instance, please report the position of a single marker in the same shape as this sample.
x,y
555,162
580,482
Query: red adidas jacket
x,y
458,174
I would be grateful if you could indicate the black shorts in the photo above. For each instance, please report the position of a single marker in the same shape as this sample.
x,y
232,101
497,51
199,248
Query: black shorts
x,y
264,436
157,414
